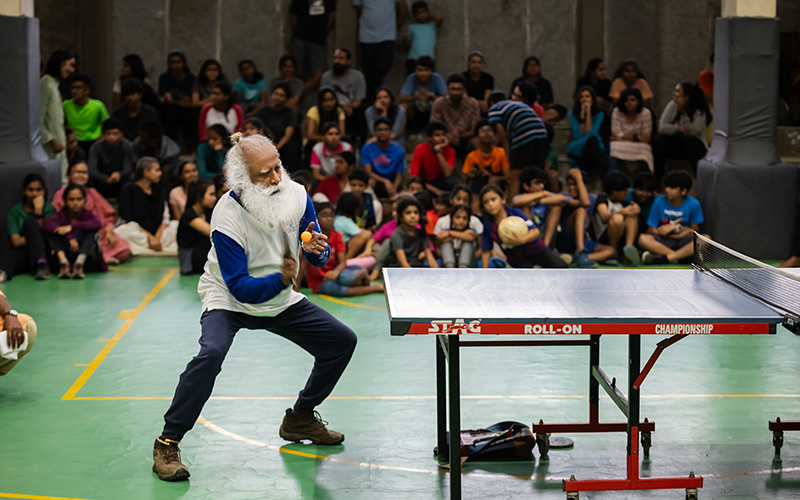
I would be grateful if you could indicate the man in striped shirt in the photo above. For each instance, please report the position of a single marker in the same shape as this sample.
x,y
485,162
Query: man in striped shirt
x,y
520,131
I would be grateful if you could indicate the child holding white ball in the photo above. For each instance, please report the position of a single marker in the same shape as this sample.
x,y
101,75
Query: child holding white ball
x,y
522,250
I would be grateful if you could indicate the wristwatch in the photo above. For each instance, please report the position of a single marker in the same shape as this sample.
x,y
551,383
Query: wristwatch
x,y
11,312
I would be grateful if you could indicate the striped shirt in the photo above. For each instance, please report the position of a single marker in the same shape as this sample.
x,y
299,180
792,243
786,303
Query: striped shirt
x,y
519,121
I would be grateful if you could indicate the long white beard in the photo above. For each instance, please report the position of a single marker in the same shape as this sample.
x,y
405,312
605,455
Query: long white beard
x,y
272,206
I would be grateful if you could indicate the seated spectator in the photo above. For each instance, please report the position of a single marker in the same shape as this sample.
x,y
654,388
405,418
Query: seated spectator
x,y
336,278
627,75
386,107
355,237
486,165
459,113
414,185
541,206
74,153
521,133
250,89
457,235
323,154
211,153
631,129
346,81
334,185
254,126
586,148
419,90
384,161
16,327
194,228
133,112
133,68
434,160
175,87
153,142
378,244
143,207
327,110
287,66
110,161
28,253
524,251
84,115
478,83
187,175
419,38
595,77
370,210
618,217
210,73
576,218
115,250
532,72
281,120
681,129
72,234
409,246
220,111
642,193
673,219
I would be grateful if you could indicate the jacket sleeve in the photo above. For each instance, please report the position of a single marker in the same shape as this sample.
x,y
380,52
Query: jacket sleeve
x,y
311,216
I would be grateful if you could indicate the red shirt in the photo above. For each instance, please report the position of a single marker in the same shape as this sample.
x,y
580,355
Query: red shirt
x,y
426,164
315,275
331,188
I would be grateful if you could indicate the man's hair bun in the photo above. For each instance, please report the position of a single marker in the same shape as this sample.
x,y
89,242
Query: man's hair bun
x,y
235,138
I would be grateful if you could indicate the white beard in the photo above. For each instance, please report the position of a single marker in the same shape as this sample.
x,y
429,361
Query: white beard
x,y
273,206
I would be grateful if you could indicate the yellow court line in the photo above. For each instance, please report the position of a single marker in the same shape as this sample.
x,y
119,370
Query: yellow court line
x,y
70,394
35,497
351,304
485,396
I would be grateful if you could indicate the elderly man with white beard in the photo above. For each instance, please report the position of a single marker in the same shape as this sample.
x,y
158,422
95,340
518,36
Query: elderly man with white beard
x,y
248,283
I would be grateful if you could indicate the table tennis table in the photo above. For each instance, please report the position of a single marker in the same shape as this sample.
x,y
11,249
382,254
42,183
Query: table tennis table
x,y
554,306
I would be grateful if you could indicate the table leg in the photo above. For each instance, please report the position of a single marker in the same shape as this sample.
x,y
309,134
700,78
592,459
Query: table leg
x,y
455,418
634,365
594,385
441,400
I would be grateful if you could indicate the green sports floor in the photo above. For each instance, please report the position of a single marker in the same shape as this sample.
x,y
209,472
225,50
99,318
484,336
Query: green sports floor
x,y
79,414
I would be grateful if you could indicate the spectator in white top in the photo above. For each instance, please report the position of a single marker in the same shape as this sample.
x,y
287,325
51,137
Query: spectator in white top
x,y
631,129
221,111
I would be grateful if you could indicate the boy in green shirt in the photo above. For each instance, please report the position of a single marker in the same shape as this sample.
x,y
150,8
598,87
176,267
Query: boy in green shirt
x,y
84,115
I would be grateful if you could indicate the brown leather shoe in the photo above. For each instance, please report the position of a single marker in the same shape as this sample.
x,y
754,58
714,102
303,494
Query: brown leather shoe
x,y
308,425
167,461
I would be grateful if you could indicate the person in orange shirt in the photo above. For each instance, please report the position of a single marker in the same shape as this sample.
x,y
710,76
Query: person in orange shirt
x,y
14,326
488,164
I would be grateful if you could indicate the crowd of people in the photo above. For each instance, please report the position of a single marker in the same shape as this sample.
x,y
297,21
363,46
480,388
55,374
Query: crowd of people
x,y
422,175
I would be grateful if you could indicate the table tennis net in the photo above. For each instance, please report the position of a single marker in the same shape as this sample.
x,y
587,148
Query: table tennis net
x,y
770,285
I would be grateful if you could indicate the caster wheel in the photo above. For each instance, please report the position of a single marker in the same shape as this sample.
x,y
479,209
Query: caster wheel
x,y
691,493
573,495
647,442
543,443
777,441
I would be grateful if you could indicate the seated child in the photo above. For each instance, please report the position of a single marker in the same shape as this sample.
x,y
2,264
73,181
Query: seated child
x,y
24,222
324,153
540,205
415,185
674,217
336,278
378,245
110,160
194,228
384,161
370,209
616,216
409,245
72,235
456,238
334,185
643,194
434,160
524,251
488,164
346,212
211,153
575,218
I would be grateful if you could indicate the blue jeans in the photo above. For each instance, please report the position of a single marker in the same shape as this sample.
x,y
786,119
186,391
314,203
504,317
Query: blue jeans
x,y
327,339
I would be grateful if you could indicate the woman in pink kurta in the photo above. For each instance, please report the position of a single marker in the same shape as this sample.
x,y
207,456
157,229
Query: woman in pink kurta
x,y
115,249
631,129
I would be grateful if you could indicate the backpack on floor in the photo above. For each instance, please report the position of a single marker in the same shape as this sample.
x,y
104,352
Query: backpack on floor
x,y
501,442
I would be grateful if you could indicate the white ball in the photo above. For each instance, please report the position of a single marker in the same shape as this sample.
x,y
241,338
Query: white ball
x,y
509,226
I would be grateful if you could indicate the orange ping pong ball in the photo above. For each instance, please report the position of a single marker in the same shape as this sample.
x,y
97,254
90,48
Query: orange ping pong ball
x,y
305,236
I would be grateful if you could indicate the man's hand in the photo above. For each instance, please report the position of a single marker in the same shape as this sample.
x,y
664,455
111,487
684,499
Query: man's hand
x,y
113,178
318,242
62,230
154,243
438,148
56,146
73,245
288,270
14,333
422,95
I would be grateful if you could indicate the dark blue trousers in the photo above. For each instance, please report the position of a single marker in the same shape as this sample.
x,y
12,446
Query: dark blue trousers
x,y
327,339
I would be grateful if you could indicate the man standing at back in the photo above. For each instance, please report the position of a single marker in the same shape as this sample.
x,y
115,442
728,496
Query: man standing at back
x,y
350,87
377,31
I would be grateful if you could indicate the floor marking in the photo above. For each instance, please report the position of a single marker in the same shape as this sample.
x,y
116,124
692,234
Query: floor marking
x,y
70,394
36,497
477,397
281,449
351,304
127,314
